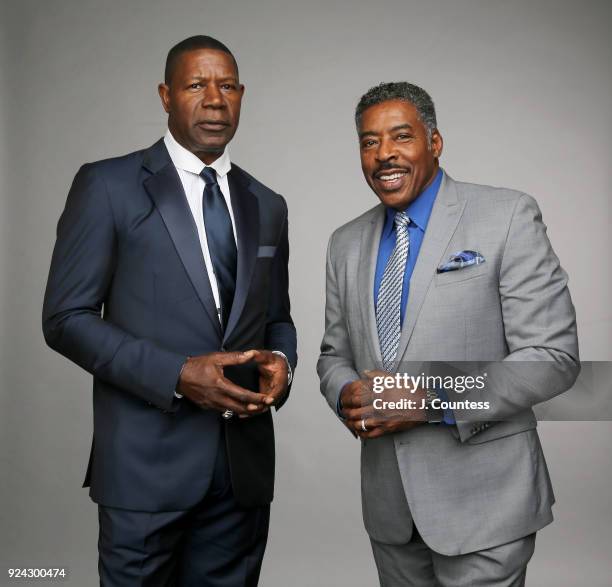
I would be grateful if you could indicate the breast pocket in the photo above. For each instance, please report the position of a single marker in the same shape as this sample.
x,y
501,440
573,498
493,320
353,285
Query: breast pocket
x,y
262,273
266,251
460,275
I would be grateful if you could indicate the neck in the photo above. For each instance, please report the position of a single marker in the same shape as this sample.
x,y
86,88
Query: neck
x,y
206,157
433,176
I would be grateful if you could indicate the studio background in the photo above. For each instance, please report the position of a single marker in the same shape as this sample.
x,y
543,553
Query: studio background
x,y
523,93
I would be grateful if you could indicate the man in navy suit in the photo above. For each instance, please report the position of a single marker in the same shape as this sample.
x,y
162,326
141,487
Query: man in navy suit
x,y
169,283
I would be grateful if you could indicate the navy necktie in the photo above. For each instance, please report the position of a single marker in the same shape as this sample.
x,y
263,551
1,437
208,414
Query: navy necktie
x,y
221,242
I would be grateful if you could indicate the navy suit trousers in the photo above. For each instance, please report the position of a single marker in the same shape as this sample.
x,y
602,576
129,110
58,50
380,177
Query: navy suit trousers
x,y
215,544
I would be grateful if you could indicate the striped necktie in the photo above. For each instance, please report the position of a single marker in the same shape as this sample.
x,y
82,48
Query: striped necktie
x,y
389,302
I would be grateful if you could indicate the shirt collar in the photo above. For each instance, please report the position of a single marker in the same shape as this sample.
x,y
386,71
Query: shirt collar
x,y
186,160
419,210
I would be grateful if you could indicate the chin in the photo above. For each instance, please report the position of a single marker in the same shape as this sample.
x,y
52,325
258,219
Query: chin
x,y
393,200
211,143
211,147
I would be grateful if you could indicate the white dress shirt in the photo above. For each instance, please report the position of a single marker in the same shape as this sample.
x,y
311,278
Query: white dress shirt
x,y
189,167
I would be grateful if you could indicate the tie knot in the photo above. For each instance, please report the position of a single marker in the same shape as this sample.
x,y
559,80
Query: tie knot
x,y
209,175
402,220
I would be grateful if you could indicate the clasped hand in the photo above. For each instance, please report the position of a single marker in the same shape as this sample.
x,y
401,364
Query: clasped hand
x,y
203,382
357,399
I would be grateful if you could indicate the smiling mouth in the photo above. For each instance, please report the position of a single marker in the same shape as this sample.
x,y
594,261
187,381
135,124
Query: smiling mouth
x,y
390,180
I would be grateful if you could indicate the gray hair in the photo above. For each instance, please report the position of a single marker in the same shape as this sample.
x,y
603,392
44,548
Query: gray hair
x,y
410,93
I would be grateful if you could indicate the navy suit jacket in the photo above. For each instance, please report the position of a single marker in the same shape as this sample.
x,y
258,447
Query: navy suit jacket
x,y
128,299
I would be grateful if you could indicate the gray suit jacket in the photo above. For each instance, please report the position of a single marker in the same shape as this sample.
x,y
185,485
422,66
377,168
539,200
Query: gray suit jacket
x,y
474,485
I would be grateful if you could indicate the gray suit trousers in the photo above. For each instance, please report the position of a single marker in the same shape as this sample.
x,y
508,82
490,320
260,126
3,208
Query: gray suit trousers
x,y
416,565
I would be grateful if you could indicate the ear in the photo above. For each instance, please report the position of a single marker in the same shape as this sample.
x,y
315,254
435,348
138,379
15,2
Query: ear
x,y
164,93
437,143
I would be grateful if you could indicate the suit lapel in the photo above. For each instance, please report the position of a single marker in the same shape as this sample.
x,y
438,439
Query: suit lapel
x,y
368,255
444,218
246,216
164,187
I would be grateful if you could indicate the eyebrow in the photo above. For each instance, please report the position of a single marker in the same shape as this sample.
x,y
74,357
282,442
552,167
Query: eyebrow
x,y
223,79
403,126
366,133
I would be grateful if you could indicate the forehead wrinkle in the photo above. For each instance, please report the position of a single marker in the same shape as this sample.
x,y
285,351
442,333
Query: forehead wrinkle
x,y
203,63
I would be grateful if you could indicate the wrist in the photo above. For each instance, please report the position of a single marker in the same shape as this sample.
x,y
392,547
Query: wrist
x,y
344,390
339,404
177,392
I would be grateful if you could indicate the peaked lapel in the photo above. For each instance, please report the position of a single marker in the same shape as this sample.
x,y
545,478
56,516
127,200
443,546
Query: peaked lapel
x,y
246,216
368,255
445,215
164,187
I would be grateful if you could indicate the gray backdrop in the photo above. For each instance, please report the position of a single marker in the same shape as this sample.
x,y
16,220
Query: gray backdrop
x,y
523,93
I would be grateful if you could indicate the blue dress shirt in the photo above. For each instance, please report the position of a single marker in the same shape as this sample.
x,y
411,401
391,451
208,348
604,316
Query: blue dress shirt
x,y
419,211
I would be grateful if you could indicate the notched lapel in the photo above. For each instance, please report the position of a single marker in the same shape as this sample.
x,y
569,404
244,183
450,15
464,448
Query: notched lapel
x,y
368,254
443,222
164,187
246,216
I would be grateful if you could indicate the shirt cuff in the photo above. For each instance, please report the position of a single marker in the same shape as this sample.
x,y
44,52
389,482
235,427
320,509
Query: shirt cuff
x,y
289,369
176,393
339,407
448,416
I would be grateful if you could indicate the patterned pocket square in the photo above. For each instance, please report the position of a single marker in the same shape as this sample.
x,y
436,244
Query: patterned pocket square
x,y
461,260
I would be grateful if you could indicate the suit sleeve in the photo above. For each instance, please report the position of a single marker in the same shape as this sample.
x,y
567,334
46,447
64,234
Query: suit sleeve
x,y
280,330
80,276
539,323
335,366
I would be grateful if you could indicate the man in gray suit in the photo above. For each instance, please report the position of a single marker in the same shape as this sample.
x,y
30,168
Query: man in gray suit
x,y
448,272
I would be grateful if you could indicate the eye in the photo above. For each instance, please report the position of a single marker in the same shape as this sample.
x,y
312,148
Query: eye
x,y
228,87
404,136
195,86
368,143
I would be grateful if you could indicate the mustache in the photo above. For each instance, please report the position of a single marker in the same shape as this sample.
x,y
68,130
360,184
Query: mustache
x,y
387,166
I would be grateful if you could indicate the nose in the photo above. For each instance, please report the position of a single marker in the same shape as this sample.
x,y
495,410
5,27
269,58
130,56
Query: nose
x,y
386,150
212,97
